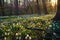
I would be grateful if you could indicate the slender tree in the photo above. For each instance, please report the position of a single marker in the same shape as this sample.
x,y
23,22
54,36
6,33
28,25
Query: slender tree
x,y
2,7
25,5
11,8
57,16
45,7
38,7
30,7
16,7
6,7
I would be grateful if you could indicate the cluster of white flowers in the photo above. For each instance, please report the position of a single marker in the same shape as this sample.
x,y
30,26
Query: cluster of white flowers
x,y
50,25
18,38
28,37
7,33
18,34
5,38
14,24
54,33
2,25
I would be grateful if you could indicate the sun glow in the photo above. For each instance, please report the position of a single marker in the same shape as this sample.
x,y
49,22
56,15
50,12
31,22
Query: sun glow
x,y
53,2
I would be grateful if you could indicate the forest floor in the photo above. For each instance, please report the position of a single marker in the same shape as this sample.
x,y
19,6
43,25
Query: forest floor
x,y
2,18
11,23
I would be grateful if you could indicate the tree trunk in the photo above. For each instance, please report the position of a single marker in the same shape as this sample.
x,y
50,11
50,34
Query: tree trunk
x,y
57,16
2,7
25,5
44,6
30,7
38,7
10,8
16,7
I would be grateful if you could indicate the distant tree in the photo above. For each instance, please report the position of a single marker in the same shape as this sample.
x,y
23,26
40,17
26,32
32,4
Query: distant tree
x,y
25,5
30,7
10,7
57,16
16,7
34,7
2,7
44,6
38,7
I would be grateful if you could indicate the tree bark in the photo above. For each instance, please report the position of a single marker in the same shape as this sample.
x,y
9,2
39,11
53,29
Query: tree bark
x,y
38,7
16,7
2,7
57,16
45,7
10,8
30,7
25,5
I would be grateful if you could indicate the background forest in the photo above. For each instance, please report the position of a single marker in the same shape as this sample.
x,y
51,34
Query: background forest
x,y
29,19
18,7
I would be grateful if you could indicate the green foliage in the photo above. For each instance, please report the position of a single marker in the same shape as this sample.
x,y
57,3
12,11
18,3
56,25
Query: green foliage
x,y
18,25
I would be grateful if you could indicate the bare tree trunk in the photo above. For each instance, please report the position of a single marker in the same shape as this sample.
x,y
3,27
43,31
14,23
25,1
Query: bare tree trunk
x,y
16,7
38,7
57,16
6,7
44,6
2,7
25,9
30,7
10,7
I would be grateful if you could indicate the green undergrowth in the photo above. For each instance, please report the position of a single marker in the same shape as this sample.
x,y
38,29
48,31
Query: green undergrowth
x,y
19,24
